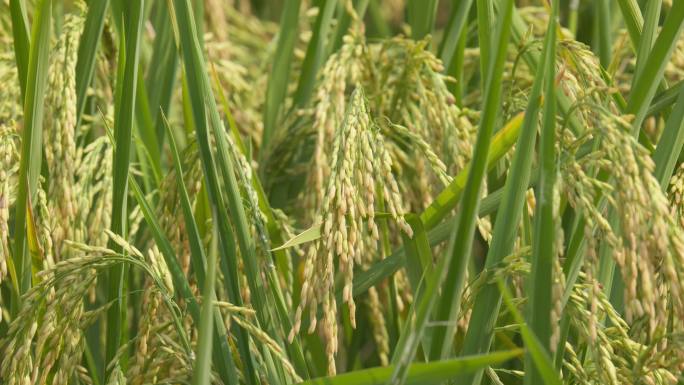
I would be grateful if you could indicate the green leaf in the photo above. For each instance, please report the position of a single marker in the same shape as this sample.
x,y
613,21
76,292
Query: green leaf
x,y
541,356
485,26
31,138
641,32
280,71
162,81
461,241
603,25
20,34
202,372
634,21
87,51
181,286
421,17
670,144
419,261
418,252
274,233
648,35
456,26
644,86
127,74
203,102
308,235
440,233
180,283
419,374
505,228
540,283
222,355
665,99
449,197
315,53
199,94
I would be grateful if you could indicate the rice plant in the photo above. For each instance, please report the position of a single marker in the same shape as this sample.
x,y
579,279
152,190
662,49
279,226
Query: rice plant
x,y
341,192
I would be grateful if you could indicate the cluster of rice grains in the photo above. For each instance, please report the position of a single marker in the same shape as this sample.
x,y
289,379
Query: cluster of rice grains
x,y
360,172
238,50
607,178
59,139
381,119
46,338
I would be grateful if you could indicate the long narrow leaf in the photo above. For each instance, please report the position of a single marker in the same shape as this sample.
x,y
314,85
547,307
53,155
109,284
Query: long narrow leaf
x,y
505,229
222,356
670,145
540,356
161,80
485,24
397,260
645,86
457,24
32,137
419,374
123,121
634,21
202,371
421,17
543,250
315,53
194,67
280,72
460,243
449,197
20,33
648,35
87,51
603,31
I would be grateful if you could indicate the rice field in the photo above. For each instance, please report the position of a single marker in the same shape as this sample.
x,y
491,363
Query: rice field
x,y
341,192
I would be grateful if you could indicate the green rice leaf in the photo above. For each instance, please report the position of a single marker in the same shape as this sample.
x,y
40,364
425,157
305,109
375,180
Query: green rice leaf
x,y
449,197
458,19
670,145
540,355
421,17
543,247
198,88
280,72
87,51
127,75
308,235
20,33
645,85
222,355
315,53
419,373
32,137
460,243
